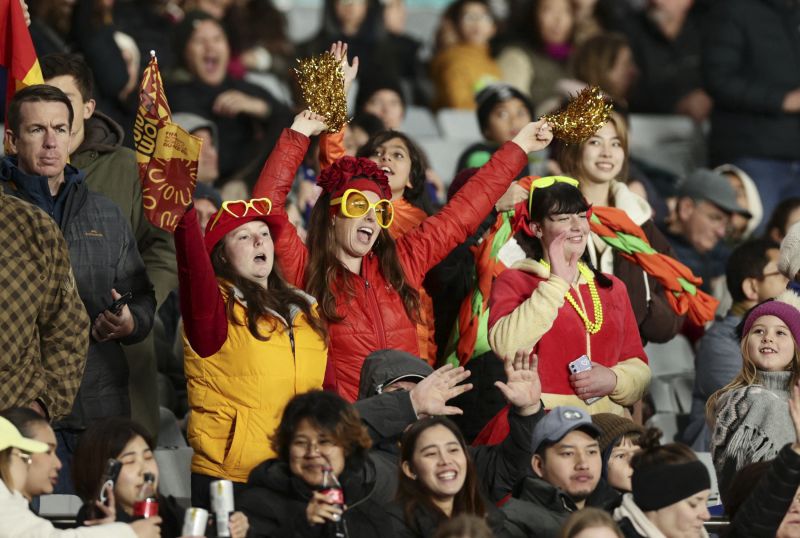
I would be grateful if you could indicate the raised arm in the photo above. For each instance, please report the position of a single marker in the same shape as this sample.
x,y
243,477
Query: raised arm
x,y
435,237
202,306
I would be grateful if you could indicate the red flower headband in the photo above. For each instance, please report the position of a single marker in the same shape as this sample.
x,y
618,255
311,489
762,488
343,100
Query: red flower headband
x,y
334,179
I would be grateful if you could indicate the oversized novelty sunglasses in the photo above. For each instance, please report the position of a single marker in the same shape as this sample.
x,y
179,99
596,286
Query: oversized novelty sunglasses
x,y
548,181
355,204
243,208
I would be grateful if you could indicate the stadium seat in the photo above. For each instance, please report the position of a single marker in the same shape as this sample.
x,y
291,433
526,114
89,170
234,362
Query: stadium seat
x,y
705,457
671,359
673,143
459,124
663,396
169,433
273,85
443,155
667,423
420,123
59,508
174,470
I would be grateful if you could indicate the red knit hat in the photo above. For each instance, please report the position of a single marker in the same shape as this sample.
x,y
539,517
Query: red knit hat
x,y
335,179
217,229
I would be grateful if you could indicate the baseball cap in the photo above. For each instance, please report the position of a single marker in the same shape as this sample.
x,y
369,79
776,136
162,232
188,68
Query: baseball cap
x,y
713,187
559,422
10,437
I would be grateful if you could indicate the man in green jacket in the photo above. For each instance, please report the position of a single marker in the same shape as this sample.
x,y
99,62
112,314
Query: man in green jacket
x,y
111,170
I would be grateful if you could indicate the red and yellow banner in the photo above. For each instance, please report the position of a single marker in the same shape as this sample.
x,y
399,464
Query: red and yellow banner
x,y
166,154
17,54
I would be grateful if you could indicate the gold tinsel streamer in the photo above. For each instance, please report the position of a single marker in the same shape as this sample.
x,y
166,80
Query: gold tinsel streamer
x,y
322,82
583,116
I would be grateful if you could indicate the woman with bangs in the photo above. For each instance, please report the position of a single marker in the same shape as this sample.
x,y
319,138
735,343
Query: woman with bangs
x,y
285,496
365,281
438,481
600,164
544,303
252,341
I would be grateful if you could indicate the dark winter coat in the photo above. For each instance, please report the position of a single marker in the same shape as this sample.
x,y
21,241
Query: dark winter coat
x,y
751,61
425,522
275,503
103,253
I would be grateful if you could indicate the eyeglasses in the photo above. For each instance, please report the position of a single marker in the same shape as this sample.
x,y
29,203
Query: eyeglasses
x,y
355,204
241,208
23,456
548,181
307,446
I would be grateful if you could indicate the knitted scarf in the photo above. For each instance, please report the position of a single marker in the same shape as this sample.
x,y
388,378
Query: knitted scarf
x,y
681,286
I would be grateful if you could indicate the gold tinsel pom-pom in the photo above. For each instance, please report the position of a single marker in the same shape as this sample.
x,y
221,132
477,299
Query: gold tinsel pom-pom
x,y
322,82
583,116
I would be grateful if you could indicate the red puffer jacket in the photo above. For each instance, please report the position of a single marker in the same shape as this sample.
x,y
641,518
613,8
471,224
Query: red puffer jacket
x,y
375,318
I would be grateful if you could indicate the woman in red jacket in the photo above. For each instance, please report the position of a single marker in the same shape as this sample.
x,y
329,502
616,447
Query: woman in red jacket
x,y
365,281
562,309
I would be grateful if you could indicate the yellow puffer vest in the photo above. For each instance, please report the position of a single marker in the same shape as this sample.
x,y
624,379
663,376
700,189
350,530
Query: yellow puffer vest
x,y
237,395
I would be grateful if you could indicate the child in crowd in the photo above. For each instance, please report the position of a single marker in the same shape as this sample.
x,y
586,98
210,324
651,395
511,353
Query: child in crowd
x,y
620,440
590,523
748,417
670,489
502,112
785,215
461,70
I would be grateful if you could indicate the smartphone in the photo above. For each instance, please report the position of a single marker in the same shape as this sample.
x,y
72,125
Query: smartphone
x,y
582,364
110,476
116,306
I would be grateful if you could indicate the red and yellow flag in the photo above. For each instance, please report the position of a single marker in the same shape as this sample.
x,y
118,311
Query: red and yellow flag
x,y
166,154
17,54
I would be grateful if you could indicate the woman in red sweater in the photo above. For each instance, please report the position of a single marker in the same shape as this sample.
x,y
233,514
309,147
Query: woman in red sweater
x,y
364,280
561,308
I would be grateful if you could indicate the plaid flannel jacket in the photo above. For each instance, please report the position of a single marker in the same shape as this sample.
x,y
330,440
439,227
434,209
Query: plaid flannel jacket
x,y
44,328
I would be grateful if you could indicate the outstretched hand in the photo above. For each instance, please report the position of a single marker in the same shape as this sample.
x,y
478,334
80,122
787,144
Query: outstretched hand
x,y
350,70
535,136
309,123
430,396
559,265
523,388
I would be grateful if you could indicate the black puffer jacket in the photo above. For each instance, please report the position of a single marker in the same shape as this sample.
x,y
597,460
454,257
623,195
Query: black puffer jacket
x,y
424,522
761,514
751,60
103,253
275,503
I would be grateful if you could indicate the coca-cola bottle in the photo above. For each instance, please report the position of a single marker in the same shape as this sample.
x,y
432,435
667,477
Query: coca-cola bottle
x,y
332,489
146,504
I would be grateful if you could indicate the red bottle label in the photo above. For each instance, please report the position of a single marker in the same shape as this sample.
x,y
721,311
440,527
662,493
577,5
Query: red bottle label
x,y
146,508
334,495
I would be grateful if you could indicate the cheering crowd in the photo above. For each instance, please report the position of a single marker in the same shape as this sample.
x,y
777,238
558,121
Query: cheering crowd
x,y
359,345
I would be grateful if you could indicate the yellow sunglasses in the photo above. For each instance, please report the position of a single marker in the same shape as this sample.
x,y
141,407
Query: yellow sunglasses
x,y
548,181
241,208
355,204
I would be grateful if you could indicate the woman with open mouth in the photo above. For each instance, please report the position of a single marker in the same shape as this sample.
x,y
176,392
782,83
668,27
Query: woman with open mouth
x,y
365,281
556,304
252,341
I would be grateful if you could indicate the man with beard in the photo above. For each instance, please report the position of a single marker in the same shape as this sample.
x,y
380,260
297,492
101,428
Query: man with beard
x,y
567,466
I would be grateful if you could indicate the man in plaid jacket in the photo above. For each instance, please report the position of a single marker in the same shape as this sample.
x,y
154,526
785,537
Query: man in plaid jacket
x,y
44,328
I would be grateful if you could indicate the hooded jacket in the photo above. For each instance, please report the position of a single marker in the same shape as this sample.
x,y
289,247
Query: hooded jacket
x,y
111,169
538,509
528,309
751,60
375,316
275,503
386,366
656,320
103,253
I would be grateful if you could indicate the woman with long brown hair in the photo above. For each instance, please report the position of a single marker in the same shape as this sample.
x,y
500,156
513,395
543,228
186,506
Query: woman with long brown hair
x,y
364,280
252,341
438,480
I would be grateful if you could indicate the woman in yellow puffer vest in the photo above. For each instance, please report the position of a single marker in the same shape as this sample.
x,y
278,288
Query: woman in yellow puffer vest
x,y
251,341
